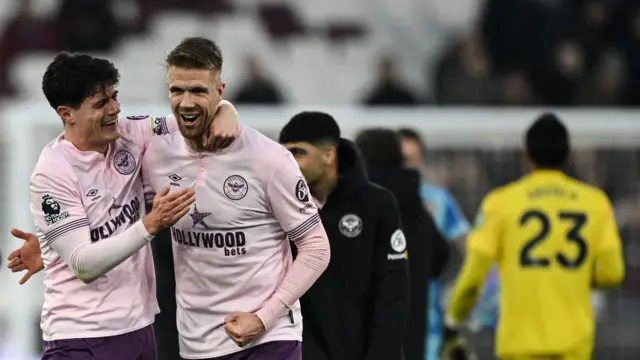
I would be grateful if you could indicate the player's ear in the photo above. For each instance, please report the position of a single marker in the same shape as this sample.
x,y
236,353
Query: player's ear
x,y
65,114
329,155
221,89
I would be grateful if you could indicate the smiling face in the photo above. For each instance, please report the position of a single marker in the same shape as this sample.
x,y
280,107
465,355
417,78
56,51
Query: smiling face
x,y
194,95
95,120
313,160
82,90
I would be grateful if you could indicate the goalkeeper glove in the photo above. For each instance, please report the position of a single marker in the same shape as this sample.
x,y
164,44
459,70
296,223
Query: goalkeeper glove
x,y
454,346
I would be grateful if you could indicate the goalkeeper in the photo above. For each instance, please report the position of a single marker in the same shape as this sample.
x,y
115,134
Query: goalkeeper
x,y
554,239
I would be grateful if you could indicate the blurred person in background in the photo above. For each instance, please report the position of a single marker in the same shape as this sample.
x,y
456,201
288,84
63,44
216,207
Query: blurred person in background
x,y
24,32
358,309
464,75
257,88
429,251
454,226
87,26
549,234
390,89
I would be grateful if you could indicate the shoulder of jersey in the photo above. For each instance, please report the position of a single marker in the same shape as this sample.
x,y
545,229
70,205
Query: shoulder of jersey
x,y
592,192
52,162
261,143
496,194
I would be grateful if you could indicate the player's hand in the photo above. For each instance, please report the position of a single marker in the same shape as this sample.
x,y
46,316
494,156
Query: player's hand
x,y
242,327
455,347
168,208
27,257
224,128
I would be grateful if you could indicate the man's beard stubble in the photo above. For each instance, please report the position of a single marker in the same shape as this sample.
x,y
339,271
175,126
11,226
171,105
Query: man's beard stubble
x,y
194,136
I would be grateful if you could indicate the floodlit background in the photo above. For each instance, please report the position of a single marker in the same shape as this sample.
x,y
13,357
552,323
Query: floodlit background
x,y
435,62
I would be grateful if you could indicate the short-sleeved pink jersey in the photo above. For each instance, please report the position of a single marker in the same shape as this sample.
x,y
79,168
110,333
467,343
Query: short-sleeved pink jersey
x,y
231,252
97,196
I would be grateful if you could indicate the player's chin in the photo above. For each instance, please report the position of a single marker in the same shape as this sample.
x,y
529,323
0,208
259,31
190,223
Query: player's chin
x,y
110,133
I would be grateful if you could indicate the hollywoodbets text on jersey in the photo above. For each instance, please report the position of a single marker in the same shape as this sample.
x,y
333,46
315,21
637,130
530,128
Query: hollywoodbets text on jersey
x,y
232,242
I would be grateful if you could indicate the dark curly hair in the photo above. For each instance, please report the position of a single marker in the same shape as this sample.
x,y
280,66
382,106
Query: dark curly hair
x,y
73,77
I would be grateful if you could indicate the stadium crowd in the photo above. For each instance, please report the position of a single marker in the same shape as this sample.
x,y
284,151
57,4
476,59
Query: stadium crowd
x,y
585,54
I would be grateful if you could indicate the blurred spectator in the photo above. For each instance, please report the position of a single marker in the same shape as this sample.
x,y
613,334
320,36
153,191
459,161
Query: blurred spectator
x,y
557,82
604,86
464,75
390,89
257,88
632,86
25,32
429,251
87,25
450,222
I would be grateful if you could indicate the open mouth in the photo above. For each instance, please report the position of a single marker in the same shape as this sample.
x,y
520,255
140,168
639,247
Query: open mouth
x,y
110,122
190,118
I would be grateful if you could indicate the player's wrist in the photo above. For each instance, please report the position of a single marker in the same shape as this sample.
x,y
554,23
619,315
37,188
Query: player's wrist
x,y
150,225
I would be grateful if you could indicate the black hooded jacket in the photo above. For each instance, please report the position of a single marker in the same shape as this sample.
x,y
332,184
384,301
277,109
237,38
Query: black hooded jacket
x,y
428,250
358,308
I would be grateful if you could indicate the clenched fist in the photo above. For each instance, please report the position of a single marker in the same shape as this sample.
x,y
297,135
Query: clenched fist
x,y
168,208
242,327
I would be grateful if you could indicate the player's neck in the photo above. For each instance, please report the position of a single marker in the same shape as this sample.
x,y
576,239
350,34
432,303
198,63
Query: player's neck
x,y
325,186
81,143
195,145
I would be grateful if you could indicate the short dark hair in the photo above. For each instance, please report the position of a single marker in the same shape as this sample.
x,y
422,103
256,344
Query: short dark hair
x,y
380,148
547,142
311,126
73,77
196,53
411,134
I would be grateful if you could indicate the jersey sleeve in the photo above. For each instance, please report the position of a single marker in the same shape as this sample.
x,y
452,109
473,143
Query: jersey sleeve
x,y
290,200
142,129
486,232
56,206
609,236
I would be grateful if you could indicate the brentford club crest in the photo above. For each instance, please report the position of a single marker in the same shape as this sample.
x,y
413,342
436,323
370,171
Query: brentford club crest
x,y
124,162
235,187
350,225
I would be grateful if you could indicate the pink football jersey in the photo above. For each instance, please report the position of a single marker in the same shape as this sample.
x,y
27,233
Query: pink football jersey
x,y
231,252
96,196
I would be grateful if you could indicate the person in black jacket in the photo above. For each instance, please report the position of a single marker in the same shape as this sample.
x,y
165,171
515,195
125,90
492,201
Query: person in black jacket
x,y
429,251
165,326
357,310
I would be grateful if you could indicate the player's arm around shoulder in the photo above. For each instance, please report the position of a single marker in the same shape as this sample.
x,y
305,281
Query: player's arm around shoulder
x,y
608,269
391,279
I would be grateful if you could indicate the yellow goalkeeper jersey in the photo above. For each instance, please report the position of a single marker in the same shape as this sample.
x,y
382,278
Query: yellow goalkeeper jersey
x,y
553,238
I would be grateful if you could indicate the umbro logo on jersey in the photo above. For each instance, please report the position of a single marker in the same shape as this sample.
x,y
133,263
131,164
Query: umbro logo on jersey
x,y
93,194
174,179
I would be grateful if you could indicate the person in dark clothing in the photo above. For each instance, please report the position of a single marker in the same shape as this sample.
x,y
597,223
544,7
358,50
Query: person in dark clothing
x,y
429,251
357,310
165,326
